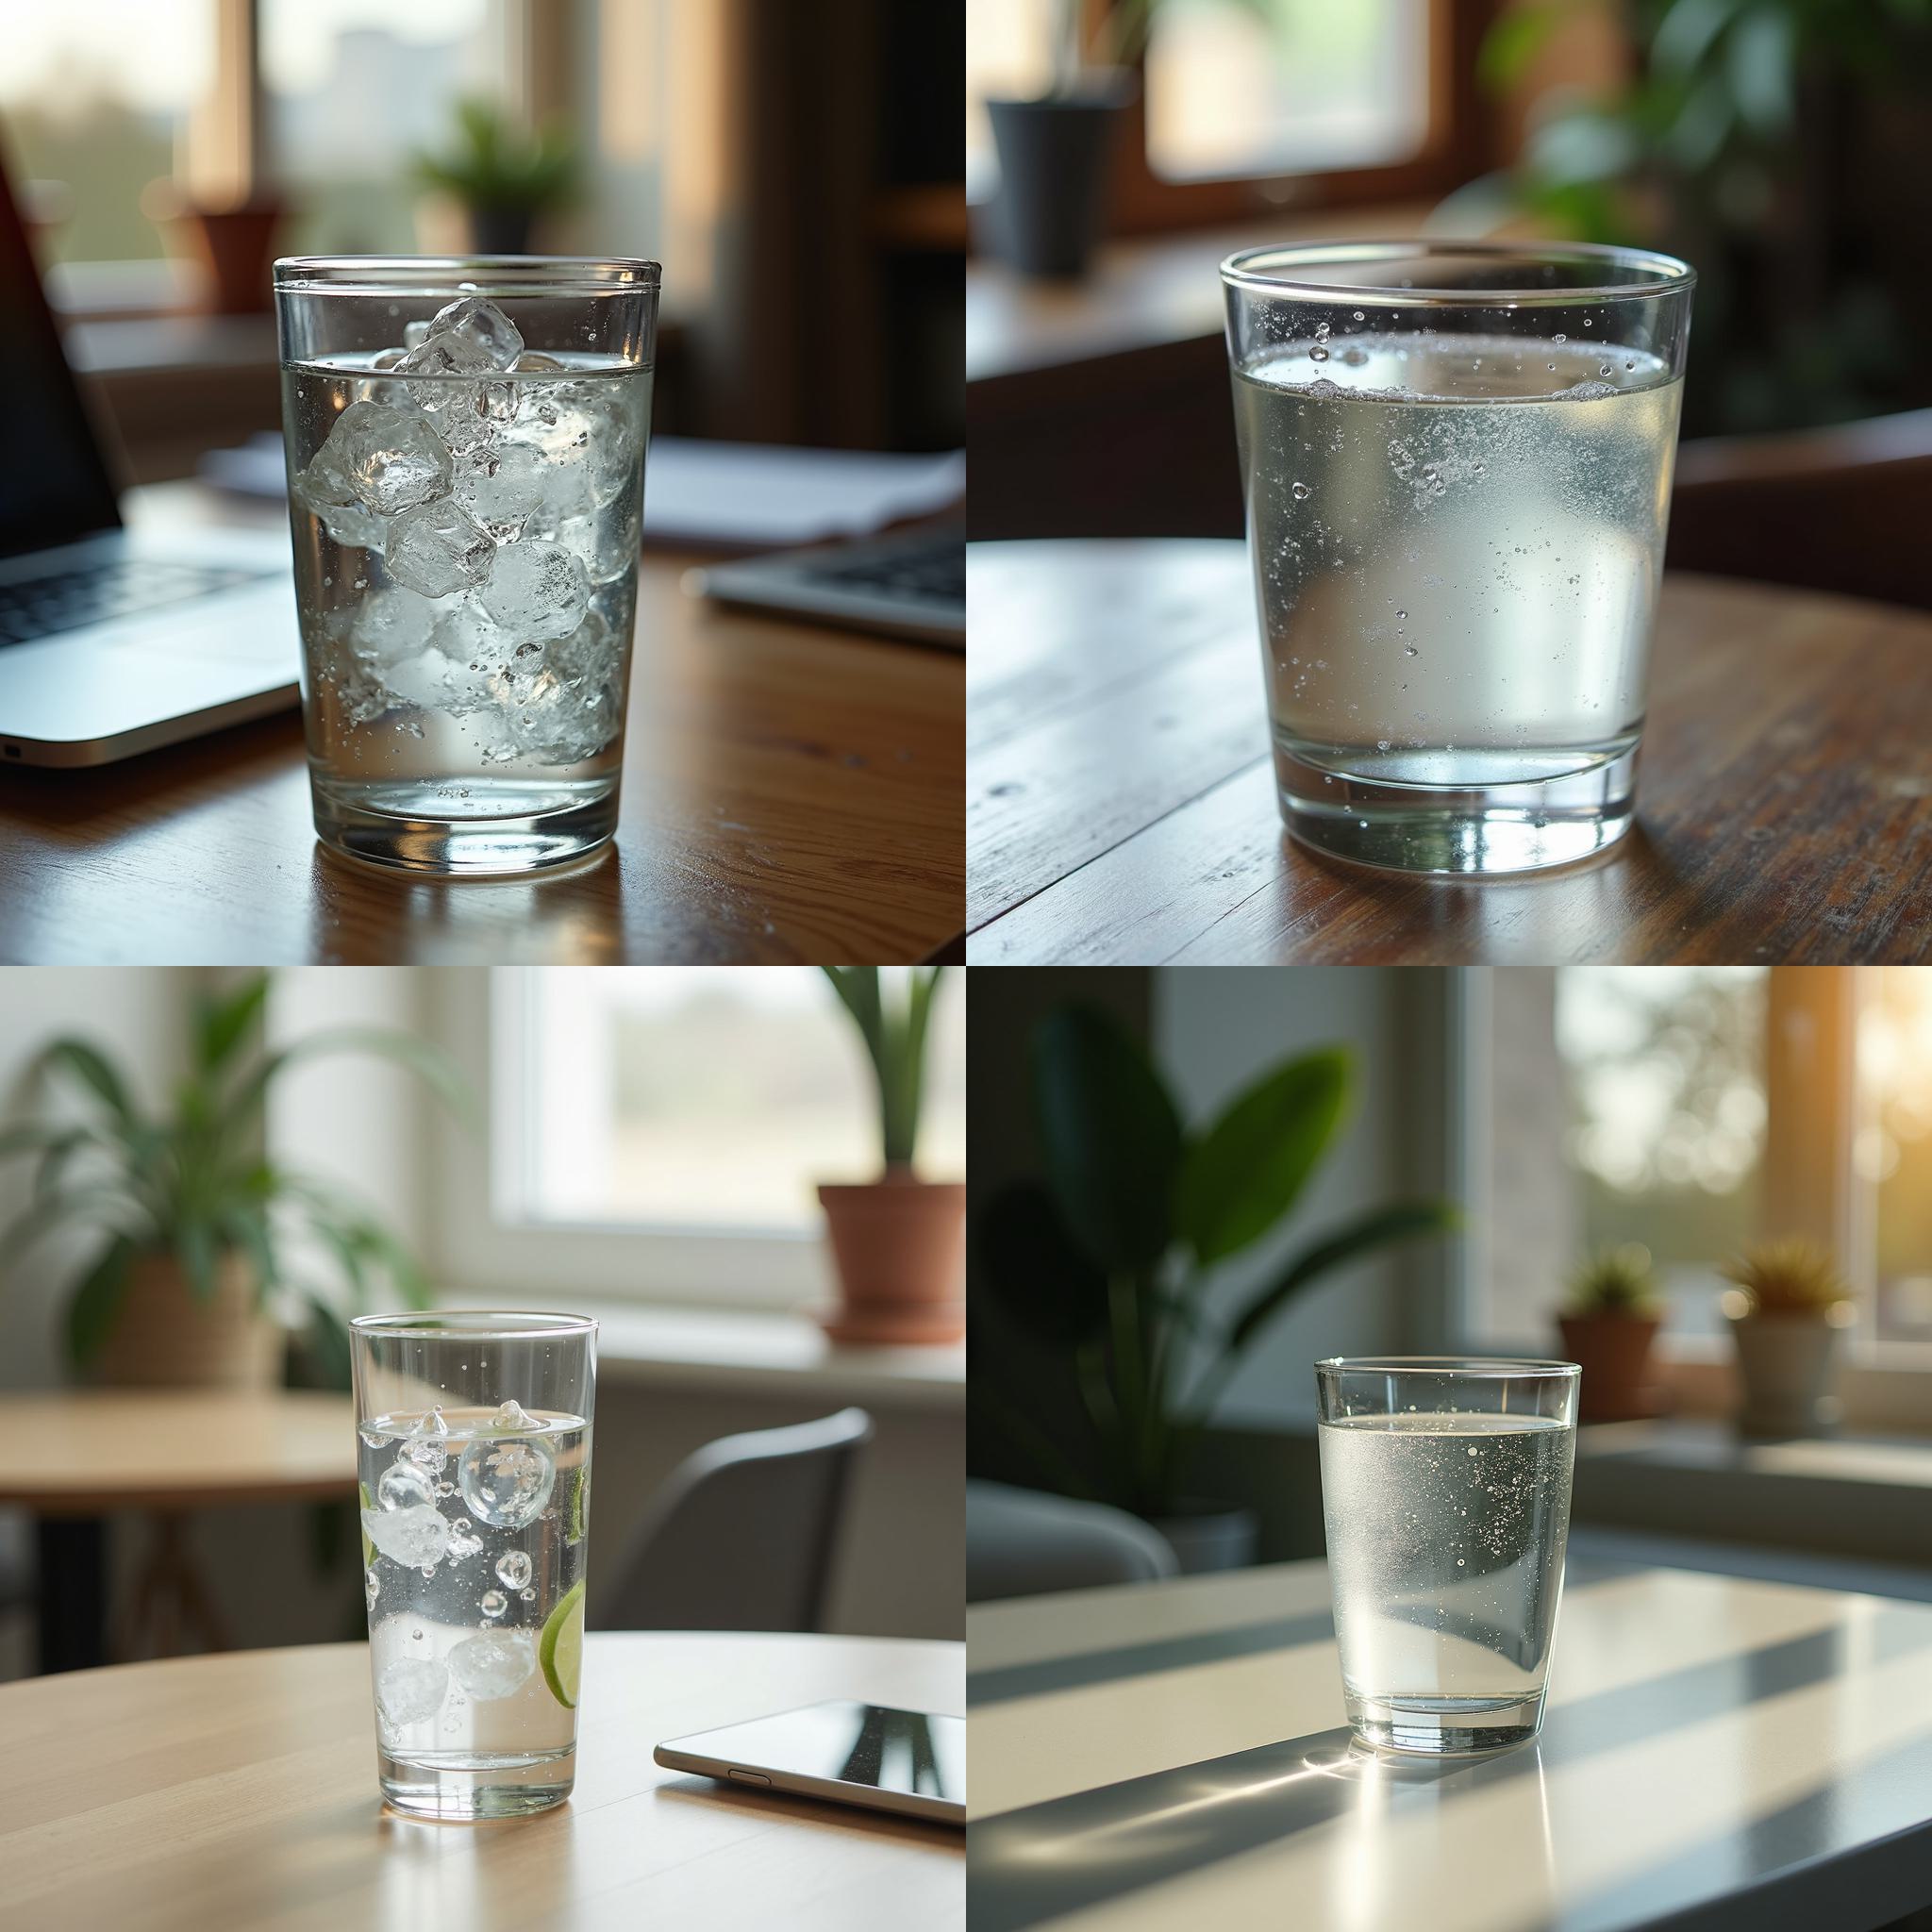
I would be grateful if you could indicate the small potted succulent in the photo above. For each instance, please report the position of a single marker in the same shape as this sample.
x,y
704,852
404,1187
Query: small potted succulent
x,y
1055,152
502,176
898,1243
1788,1313
1608,1325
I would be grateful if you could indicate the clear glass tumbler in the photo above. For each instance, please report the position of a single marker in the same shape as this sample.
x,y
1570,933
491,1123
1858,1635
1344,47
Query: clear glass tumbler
x,y
474,1460
465,446
1445,1490
1456,459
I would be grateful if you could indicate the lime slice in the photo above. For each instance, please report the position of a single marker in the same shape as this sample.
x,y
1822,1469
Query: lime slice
x,y
578,1500
560,1650
368,1547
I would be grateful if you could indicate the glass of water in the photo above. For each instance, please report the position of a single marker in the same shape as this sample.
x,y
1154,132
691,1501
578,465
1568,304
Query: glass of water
x,y
465,446
1445,1492
473,1465
1456,459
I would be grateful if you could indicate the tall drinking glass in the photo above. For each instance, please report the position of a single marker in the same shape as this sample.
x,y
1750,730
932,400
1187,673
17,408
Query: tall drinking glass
x,y
1457,457
465,444
1445,1490
474,1433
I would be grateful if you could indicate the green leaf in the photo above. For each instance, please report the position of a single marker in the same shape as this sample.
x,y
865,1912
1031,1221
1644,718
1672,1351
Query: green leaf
x,y
1689,31
1379,1227
199,1254
27,1138
1110,1134
90,1067
1515,40
97,1301
329,1339
1763,59
1247,1172
223,1025
429,1061
1027,1262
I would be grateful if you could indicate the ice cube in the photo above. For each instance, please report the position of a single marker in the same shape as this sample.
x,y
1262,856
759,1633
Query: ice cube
x,y
462,1547
502,486
390,457
405,1486
479,321
372,1586
506,1484
427,1442
537,590
493,1663
411,1689
614,448
415,334
606,544
352,527
413,1536
439,547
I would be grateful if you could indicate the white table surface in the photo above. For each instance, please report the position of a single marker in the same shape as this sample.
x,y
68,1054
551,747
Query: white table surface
x,y
1718,1754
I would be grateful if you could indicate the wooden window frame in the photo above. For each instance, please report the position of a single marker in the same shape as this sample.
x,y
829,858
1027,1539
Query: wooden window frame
x,y
1455,147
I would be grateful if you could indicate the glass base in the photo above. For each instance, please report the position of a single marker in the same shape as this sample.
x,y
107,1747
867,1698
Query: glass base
x,y
475,1788
1445,1727
1470,829
532,828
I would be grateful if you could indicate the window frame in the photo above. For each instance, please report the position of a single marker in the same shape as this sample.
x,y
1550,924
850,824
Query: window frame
x,y
1454,147
1815,1107
482,1023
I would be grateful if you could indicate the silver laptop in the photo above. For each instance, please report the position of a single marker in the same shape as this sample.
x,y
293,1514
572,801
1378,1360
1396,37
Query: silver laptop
x,y
113,641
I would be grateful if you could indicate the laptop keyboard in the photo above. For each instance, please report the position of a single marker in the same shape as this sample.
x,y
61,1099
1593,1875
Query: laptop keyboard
x,y
66,600
933,573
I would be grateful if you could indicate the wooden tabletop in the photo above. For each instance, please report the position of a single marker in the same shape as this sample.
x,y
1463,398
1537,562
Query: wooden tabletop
x,y
1717,1754
86,1452
1121,805
790,793
240,1791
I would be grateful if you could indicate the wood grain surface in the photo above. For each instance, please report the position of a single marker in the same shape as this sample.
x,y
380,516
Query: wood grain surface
x,y
86,1451
1121,803
790,793
239,1791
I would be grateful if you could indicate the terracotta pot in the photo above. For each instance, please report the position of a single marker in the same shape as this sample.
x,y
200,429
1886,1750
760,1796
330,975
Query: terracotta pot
x,y
234,246
164,1339
899,1245
1788,1365
1613,1352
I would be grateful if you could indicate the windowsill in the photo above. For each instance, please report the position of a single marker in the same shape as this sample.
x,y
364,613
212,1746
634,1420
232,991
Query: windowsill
x,y
1857,1496
760,1351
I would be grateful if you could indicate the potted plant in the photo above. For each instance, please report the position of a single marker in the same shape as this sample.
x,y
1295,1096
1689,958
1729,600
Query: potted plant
x,y
1787,1311
191,1215
233,241
896,1242
1111,1255
501,176
1608,1329
1055,152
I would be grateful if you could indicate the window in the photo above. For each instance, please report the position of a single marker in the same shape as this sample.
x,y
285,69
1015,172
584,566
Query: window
x,y
353,89
1248,105
1694,1109
99,97
661,1131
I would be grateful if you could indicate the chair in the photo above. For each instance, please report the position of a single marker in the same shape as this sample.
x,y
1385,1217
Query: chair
x,y
1021,1542
741,1536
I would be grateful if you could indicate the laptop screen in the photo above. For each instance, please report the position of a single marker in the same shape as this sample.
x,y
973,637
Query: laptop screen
x,y
54,485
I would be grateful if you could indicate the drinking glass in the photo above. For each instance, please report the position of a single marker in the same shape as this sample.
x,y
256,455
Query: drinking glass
x,y
1456,460
1445,1490
473,1459
465,444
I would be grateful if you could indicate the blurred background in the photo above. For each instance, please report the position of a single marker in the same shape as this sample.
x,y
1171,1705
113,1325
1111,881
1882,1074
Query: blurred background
x,y
644,1146
1131,144
1586,1162
795,168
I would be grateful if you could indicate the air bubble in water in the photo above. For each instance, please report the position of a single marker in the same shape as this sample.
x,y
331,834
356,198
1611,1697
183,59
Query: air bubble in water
x,y
1321,331
1559,338
1318,353
1301,492
1631,365
1383,744
1359,316
513,1568
1410,652
1402,616
493,1603
507,1483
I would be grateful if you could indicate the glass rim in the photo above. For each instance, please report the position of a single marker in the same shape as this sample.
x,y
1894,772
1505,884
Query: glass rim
x,y
473,1324
1662,274
466,274
1472,1366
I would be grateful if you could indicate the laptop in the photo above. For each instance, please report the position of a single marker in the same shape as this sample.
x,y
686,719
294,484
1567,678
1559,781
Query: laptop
x,y
113,640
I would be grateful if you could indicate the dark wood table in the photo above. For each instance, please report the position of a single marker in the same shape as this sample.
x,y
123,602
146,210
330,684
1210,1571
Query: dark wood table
x,y
1121,802
790,793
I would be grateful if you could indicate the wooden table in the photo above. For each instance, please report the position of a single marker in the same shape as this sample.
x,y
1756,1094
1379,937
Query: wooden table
x,y
73,1457
790,793
1121,803
240,1790
1717,1756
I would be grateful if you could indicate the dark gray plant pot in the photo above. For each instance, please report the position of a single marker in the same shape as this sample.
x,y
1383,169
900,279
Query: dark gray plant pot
x,y
1207,1537
1056,161
1788,1365
500,230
